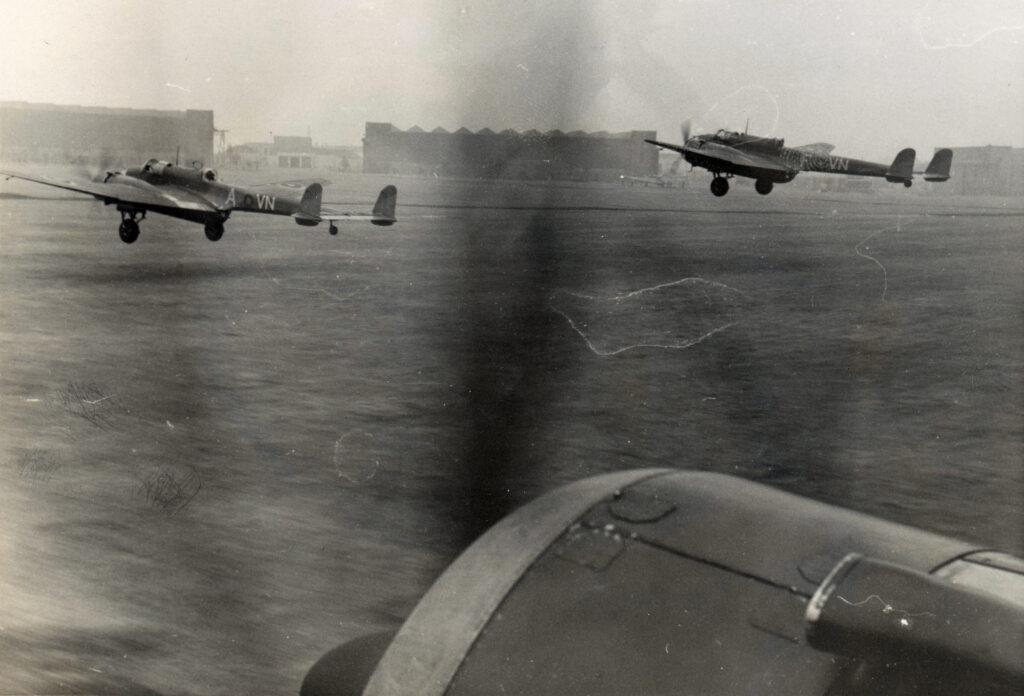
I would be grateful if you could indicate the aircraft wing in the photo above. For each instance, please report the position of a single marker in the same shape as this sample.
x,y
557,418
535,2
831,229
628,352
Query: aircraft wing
x,y
137,193
735,158
711,153
668,146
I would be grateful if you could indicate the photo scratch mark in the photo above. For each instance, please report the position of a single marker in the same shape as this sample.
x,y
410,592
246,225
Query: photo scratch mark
x,y
715,113
348,456
88,401
171,491
37,465
886,608
339,298
944,28
675,315
859,249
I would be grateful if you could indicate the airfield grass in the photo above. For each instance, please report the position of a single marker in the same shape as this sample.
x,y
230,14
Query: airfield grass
x,y
218,461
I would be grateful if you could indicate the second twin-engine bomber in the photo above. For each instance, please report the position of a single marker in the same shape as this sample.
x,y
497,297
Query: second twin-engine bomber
x,y
195,194
766,160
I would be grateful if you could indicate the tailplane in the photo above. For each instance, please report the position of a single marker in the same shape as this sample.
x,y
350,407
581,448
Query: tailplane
x,y
383,211
938,168
902,167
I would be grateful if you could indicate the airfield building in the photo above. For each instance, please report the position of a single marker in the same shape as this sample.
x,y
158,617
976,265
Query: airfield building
x,y
290,152
508,154
989,170
58,134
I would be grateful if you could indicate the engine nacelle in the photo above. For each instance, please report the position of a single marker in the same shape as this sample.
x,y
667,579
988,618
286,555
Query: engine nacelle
x,y
673,582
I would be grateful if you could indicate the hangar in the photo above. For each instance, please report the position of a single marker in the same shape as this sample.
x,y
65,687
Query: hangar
x,y
291,152
988,170
508,154
60,134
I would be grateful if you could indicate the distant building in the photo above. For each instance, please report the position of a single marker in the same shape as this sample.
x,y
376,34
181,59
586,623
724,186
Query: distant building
x,y
52,133
293,151
508,154
989,170
290,152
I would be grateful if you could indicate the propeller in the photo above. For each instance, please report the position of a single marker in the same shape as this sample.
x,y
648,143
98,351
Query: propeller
x,y
98,171
684,129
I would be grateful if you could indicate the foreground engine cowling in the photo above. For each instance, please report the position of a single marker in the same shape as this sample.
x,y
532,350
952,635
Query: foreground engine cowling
x,y
674,582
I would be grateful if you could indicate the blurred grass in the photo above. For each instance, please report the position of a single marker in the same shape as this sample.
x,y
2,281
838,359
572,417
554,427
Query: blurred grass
x,y
220,460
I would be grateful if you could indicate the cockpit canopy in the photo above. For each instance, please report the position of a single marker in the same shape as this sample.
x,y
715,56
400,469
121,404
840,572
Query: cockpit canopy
x,y
749,141
157,167
161,169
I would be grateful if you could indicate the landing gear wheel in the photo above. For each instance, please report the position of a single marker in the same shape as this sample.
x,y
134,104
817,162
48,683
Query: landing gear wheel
x,y
128,231
908,184
333,230
763,186
214,230
719,186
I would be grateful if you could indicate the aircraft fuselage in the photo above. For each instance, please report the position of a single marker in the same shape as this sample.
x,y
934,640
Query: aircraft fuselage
x,y
203,184
717,157
819,162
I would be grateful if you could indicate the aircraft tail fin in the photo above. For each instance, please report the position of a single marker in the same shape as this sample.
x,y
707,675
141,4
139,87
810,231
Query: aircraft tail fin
x,y
938,168
309,206
384,208
902,167
308,213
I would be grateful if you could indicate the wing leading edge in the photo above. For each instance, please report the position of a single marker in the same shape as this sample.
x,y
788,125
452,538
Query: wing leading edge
x,y
127,191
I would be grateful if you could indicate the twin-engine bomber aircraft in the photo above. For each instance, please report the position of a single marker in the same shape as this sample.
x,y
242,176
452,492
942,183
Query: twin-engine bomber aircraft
x,y
726,154
195,194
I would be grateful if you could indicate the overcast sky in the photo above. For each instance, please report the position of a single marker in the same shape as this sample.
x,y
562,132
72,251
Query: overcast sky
x,y
869,76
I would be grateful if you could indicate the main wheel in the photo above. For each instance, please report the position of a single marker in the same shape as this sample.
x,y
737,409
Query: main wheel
x,y
333,230
719,186
763,186
214,230
128,231
908,184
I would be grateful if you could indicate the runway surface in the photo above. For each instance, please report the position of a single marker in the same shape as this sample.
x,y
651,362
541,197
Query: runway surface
x,y
218,461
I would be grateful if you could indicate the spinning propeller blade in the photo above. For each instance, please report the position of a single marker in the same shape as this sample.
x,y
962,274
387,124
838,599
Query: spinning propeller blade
x,y
98,171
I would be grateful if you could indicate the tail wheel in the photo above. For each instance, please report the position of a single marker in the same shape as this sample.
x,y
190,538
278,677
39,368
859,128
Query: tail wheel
x,y
719,186
763,186
214,230
128,231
